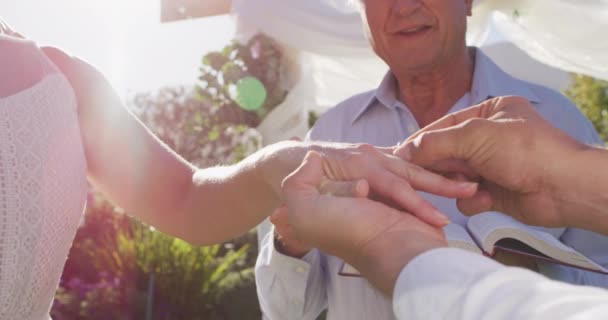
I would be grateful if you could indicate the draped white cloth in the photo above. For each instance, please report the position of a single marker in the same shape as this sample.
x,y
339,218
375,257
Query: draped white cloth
x,y
566,34
332,58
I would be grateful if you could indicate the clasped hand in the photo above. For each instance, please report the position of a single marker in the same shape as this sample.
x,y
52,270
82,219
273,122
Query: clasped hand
x,y
374,173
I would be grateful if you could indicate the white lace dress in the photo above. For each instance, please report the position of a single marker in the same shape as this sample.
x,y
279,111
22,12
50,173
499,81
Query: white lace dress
x,y
43,191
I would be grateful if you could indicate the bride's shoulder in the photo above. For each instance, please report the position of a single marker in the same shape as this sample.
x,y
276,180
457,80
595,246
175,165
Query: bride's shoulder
x,y
22,65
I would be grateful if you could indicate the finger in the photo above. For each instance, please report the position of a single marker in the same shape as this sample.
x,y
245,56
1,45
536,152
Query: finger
x,y
452,119
480,202
305,179
422,179
444,144
457,176
358,188
456,169
427,181
386,150
399,190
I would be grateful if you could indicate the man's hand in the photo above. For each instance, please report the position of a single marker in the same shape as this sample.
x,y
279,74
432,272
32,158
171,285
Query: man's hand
x,y
375,238
523,163
286,241
393,180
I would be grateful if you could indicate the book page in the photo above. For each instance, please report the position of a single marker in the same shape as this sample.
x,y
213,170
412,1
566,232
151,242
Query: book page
x,y
458,237
482,225
489,228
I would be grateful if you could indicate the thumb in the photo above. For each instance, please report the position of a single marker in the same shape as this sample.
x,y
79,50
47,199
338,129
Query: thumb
x,y
481,202
451,143
305,179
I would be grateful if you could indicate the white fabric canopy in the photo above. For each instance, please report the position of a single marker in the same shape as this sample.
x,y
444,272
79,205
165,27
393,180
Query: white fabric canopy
x,y
333,59
566,34
326,27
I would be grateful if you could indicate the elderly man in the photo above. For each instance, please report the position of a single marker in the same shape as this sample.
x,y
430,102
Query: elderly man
x,y
432,73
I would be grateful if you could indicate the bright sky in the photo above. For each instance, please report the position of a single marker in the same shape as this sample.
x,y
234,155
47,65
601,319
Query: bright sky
x,y
122,38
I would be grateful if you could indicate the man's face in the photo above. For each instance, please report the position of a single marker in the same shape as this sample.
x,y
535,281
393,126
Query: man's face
x,y
416,35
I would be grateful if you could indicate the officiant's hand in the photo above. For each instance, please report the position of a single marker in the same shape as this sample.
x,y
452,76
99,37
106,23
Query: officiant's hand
x,y
526,166
287,242
338,169
285,239
375,238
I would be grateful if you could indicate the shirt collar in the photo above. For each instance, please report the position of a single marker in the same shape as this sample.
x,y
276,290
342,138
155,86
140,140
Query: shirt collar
x,y
385,95
488,81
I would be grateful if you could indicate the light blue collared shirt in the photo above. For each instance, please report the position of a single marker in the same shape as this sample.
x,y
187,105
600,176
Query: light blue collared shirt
x,y
291,288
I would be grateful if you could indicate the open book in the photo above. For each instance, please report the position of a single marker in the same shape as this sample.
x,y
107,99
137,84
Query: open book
x,y
489,232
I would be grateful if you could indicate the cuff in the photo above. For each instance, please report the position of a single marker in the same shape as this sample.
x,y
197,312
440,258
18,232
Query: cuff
x,y
276,259
291,274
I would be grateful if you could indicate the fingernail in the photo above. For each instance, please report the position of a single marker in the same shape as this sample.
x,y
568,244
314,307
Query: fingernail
x,y
441,217
468,185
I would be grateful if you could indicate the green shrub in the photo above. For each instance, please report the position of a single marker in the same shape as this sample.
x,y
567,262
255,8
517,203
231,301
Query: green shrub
x,y
591,96
188,282
138,271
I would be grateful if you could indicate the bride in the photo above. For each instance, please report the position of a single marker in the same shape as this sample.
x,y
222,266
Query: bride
x,y
62,127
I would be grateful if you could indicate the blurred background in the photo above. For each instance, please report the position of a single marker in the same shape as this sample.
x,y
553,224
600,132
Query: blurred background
x,y
218,79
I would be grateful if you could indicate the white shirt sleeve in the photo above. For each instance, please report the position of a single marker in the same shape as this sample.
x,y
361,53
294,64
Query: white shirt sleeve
x,y
450,283
287,287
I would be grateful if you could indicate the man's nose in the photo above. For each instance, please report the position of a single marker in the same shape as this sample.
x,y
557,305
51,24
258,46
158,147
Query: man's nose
x,y
407,7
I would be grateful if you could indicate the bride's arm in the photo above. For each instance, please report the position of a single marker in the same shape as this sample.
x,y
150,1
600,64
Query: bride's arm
x,y
136,171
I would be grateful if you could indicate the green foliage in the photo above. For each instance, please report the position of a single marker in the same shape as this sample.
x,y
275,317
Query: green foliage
x,y
112,264
205,125
189,282
312,118
591,96
97,281
94,248
259,59
81,300
199,132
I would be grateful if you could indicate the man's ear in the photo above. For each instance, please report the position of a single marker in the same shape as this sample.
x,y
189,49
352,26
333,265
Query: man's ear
x,y
469,4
